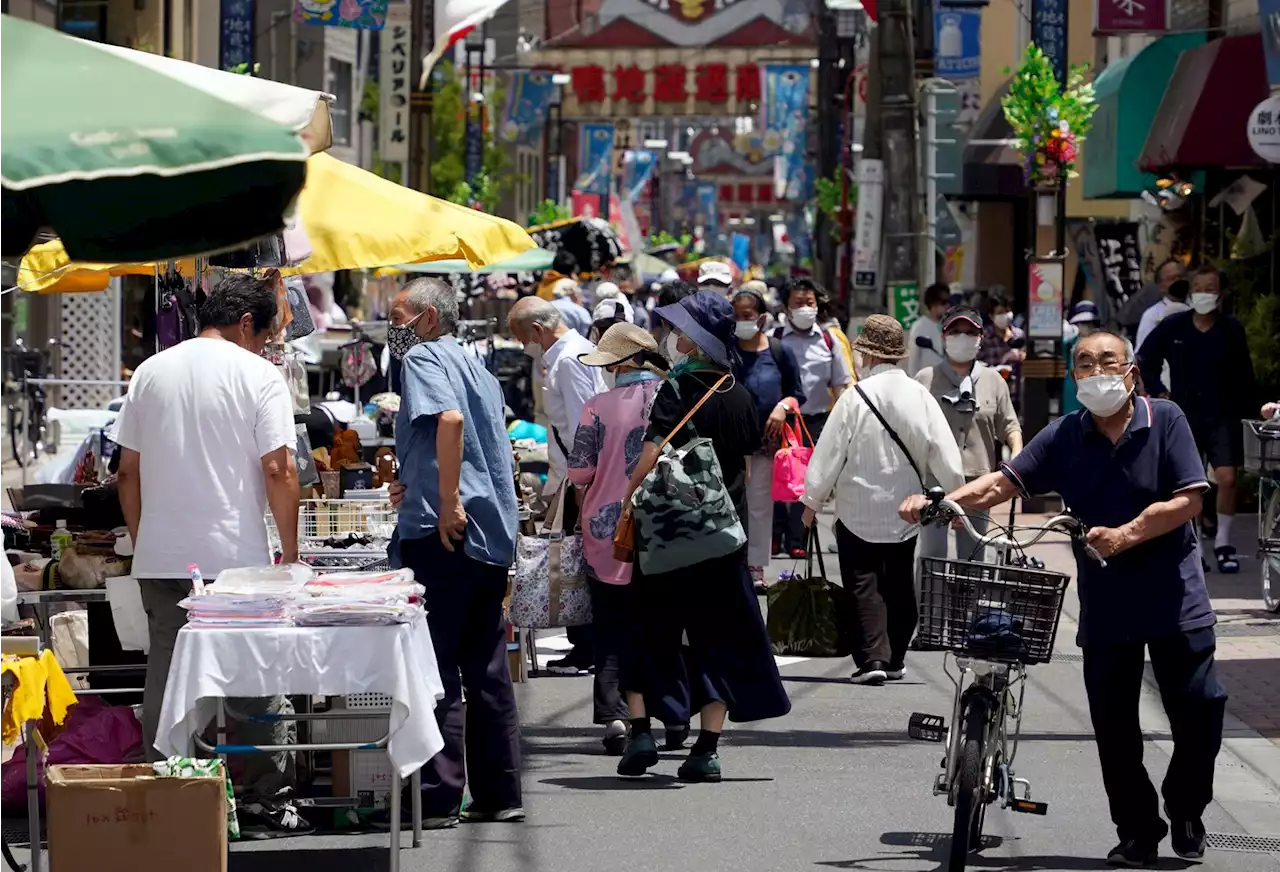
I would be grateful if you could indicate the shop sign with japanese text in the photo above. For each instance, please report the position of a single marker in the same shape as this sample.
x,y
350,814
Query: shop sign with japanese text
x,y
1130,16
1264,130
1049,32
235,36
393,84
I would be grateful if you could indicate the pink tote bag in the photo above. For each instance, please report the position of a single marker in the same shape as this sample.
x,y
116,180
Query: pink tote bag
x,y
791,462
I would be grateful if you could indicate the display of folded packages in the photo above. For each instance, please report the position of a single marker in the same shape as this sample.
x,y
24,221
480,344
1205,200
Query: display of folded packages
x,y
248,598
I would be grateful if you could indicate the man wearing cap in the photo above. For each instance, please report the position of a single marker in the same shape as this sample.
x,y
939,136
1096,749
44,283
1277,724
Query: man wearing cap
x,y
715,275
609,311
882,438
974,398
567,384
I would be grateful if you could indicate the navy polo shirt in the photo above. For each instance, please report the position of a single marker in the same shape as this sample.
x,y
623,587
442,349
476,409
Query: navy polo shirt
x,y
1156,588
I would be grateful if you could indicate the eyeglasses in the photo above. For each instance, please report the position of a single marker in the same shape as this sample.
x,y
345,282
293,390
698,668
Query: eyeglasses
x,y
1086,368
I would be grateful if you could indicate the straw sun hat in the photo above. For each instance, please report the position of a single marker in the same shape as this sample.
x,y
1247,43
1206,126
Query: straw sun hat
x,y
620,343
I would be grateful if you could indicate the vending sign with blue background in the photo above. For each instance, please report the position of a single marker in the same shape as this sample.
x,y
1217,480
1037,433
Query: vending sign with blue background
x,y
957,43
1049,33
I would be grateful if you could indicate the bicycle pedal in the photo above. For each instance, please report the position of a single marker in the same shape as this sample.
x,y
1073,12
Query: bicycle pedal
x,y
927,728
1026,806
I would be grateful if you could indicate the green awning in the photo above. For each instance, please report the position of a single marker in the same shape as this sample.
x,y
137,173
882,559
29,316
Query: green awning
x,y
1128,94
533,260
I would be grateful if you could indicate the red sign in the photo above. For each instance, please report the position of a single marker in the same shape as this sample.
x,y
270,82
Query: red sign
x,y
665,82
588,84
1131,16
668,83
748,82
628,84
712,83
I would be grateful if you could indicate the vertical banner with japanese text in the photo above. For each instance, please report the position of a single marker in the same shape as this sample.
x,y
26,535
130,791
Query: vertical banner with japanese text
x,y
1049,33
1121,258
393,84
785,111
235,35
866,251
529,96
707,194
595,157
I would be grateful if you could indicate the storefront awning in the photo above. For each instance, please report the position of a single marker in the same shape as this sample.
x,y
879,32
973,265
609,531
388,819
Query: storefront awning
x,y
1202,121
992,169
1128,94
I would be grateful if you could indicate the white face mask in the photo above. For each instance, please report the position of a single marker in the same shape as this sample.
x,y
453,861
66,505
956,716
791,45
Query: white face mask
x,y
673,354
534,350
610,379
803,318
1001,320
746,329
1103,395
1204,303
961,347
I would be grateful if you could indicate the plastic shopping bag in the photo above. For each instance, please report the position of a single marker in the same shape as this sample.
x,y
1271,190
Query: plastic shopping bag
x,y
790,463
130,617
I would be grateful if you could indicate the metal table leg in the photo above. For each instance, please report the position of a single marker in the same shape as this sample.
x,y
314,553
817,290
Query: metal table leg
x,y
395,819
415,802
33,796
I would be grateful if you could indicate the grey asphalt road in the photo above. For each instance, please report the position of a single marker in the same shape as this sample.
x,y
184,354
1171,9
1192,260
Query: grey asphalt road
x,y
835,785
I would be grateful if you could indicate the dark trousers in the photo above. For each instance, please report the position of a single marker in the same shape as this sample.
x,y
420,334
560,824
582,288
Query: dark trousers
x,y
1194,701
795,535
614,629
464,612
880,579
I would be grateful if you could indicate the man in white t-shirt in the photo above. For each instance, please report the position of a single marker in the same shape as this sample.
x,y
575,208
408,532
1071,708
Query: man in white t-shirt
x,y
206,439
928,326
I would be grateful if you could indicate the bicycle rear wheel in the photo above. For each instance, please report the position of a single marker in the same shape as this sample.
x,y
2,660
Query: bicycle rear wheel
x,y
18,435
966,835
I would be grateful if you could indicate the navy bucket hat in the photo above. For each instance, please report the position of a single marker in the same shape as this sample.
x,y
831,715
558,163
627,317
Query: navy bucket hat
x,y
707,319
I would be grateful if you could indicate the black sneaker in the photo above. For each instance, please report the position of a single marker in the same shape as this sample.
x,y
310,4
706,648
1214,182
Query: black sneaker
x,y
570,664
640,754
873,673
1188,837
1133,854
675,737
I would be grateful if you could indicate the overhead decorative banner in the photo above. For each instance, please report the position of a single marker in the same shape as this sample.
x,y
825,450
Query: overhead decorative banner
x,y
1049,32
785,118
595,157
529,96
235,35
356,14
957,43
1130,16
393,84
637,168
705,194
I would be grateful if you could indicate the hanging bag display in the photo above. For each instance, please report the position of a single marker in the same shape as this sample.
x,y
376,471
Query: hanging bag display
x,y
791,462
682,509
550,584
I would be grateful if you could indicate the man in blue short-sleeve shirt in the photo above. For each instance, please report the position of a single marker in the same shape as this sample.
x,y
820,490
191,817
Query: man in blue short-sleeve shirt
x,y
456,530
1129,468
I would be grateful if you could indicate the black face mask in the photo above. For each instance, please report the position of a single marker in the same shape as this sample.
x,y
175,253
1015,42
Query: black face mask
x,y
1180,290
402,337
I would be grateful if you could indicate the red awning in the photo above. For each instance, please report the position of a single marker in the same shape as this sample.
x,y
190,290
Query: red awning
x,y
1203,119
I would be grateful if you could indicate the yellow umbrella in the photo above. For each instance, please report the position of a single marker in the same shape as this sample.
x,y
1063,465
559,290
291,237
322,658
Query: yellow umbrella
x,y
353,219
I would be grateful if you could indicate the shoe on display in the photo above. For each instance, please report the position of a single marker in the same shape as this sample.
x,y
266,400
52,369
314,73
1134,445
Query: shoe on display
x,y
615,738
873,673
640,753
700,768
482,816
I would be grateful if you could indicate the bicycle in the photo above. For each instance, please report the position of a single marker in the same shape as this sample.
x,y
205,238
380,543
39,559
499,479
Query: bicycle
x,y
26,417
995,619
1262,458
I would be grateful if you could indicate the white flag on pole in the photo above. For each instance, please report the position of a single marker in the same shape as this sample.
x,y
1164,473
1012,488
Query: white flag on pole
x,y
454,20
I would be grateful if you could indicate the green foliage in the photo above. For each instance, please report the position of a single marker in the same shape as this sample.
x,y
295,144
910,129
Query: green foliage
x,y
449,142
662,237
829,198
1257,305
481,193
245,69
1048,121
548,212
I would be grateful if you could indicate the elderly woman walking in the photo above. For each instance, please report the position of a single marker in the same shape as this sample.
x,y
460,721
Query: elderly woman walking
x,y
727,667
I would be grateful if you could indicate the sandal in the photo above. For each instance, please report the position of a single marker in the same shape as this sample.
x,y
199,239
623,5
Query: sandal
x,y
272,820
1227,562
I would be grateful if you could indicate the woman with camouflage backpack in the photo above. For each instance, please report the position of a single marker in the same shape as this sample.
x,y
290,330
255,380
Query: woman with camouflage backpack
x,y
727,667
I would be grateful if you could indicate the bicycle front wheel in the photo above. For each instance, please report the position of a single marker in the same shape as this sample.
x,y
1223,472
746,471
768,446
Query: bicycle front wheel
x,y
18,436
966,835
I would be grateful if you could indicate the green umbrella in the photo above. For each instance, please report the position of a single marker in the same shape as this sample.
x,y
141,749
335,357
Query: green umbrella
x,y
532,260
127,164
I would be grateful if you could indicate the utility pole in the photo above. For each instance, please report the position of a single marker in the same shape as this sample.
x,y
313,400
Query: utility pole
x,y
892,136
423,27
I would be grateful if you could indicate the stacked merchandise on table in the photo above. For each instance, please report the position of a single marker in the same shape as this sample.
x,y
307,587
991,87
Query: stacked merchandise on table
x,y
295,597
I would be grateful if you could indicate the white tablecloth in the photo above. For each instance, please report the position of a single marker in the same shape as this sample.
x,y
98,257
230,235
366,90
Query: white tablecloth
x,y
399,661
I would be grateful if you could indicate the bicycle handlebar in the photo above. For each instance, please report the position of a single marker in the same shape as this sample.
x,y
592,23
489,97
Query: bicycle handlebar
x,y
942,510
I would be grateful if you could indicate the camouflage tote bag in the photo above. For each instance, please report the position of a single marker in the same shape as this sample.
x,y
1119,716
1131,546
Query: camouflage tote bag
x,y
683,511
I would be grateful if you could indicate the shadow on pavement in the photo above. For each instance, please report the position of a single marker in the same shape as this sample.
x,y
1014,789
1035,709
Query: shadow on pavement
x,y
613,782
769,738
328,860
935,848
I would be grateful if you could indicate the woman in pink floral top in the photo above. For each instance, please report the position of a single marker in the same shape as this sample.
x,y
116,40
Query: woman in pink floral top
x,y
605,451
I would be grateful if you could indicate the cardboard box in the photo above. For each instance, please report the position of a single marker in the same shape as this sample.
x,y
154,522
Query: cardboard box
x,y
115,817
365,775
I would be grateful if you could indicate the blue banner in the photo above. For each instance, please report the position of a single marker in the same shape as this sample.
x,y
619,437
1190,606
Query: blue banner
x,y
786,115
235,35
637,169
473,144
528,102
355,14
957,43
595,157
1269,12
741,245
706,195
1049,33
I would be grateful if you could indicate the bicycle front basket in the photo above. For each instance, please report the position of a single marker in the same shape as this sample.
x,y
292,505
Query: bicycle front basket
x,y
1261,448
1001,613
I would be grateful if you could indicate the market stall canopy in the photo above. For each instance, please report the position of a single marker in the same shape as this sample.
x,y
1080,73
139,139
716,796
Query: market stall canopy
x,y
124,163
533,260
1128,94
303,111
591,241
353,219
644,265
992,169
1203,120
